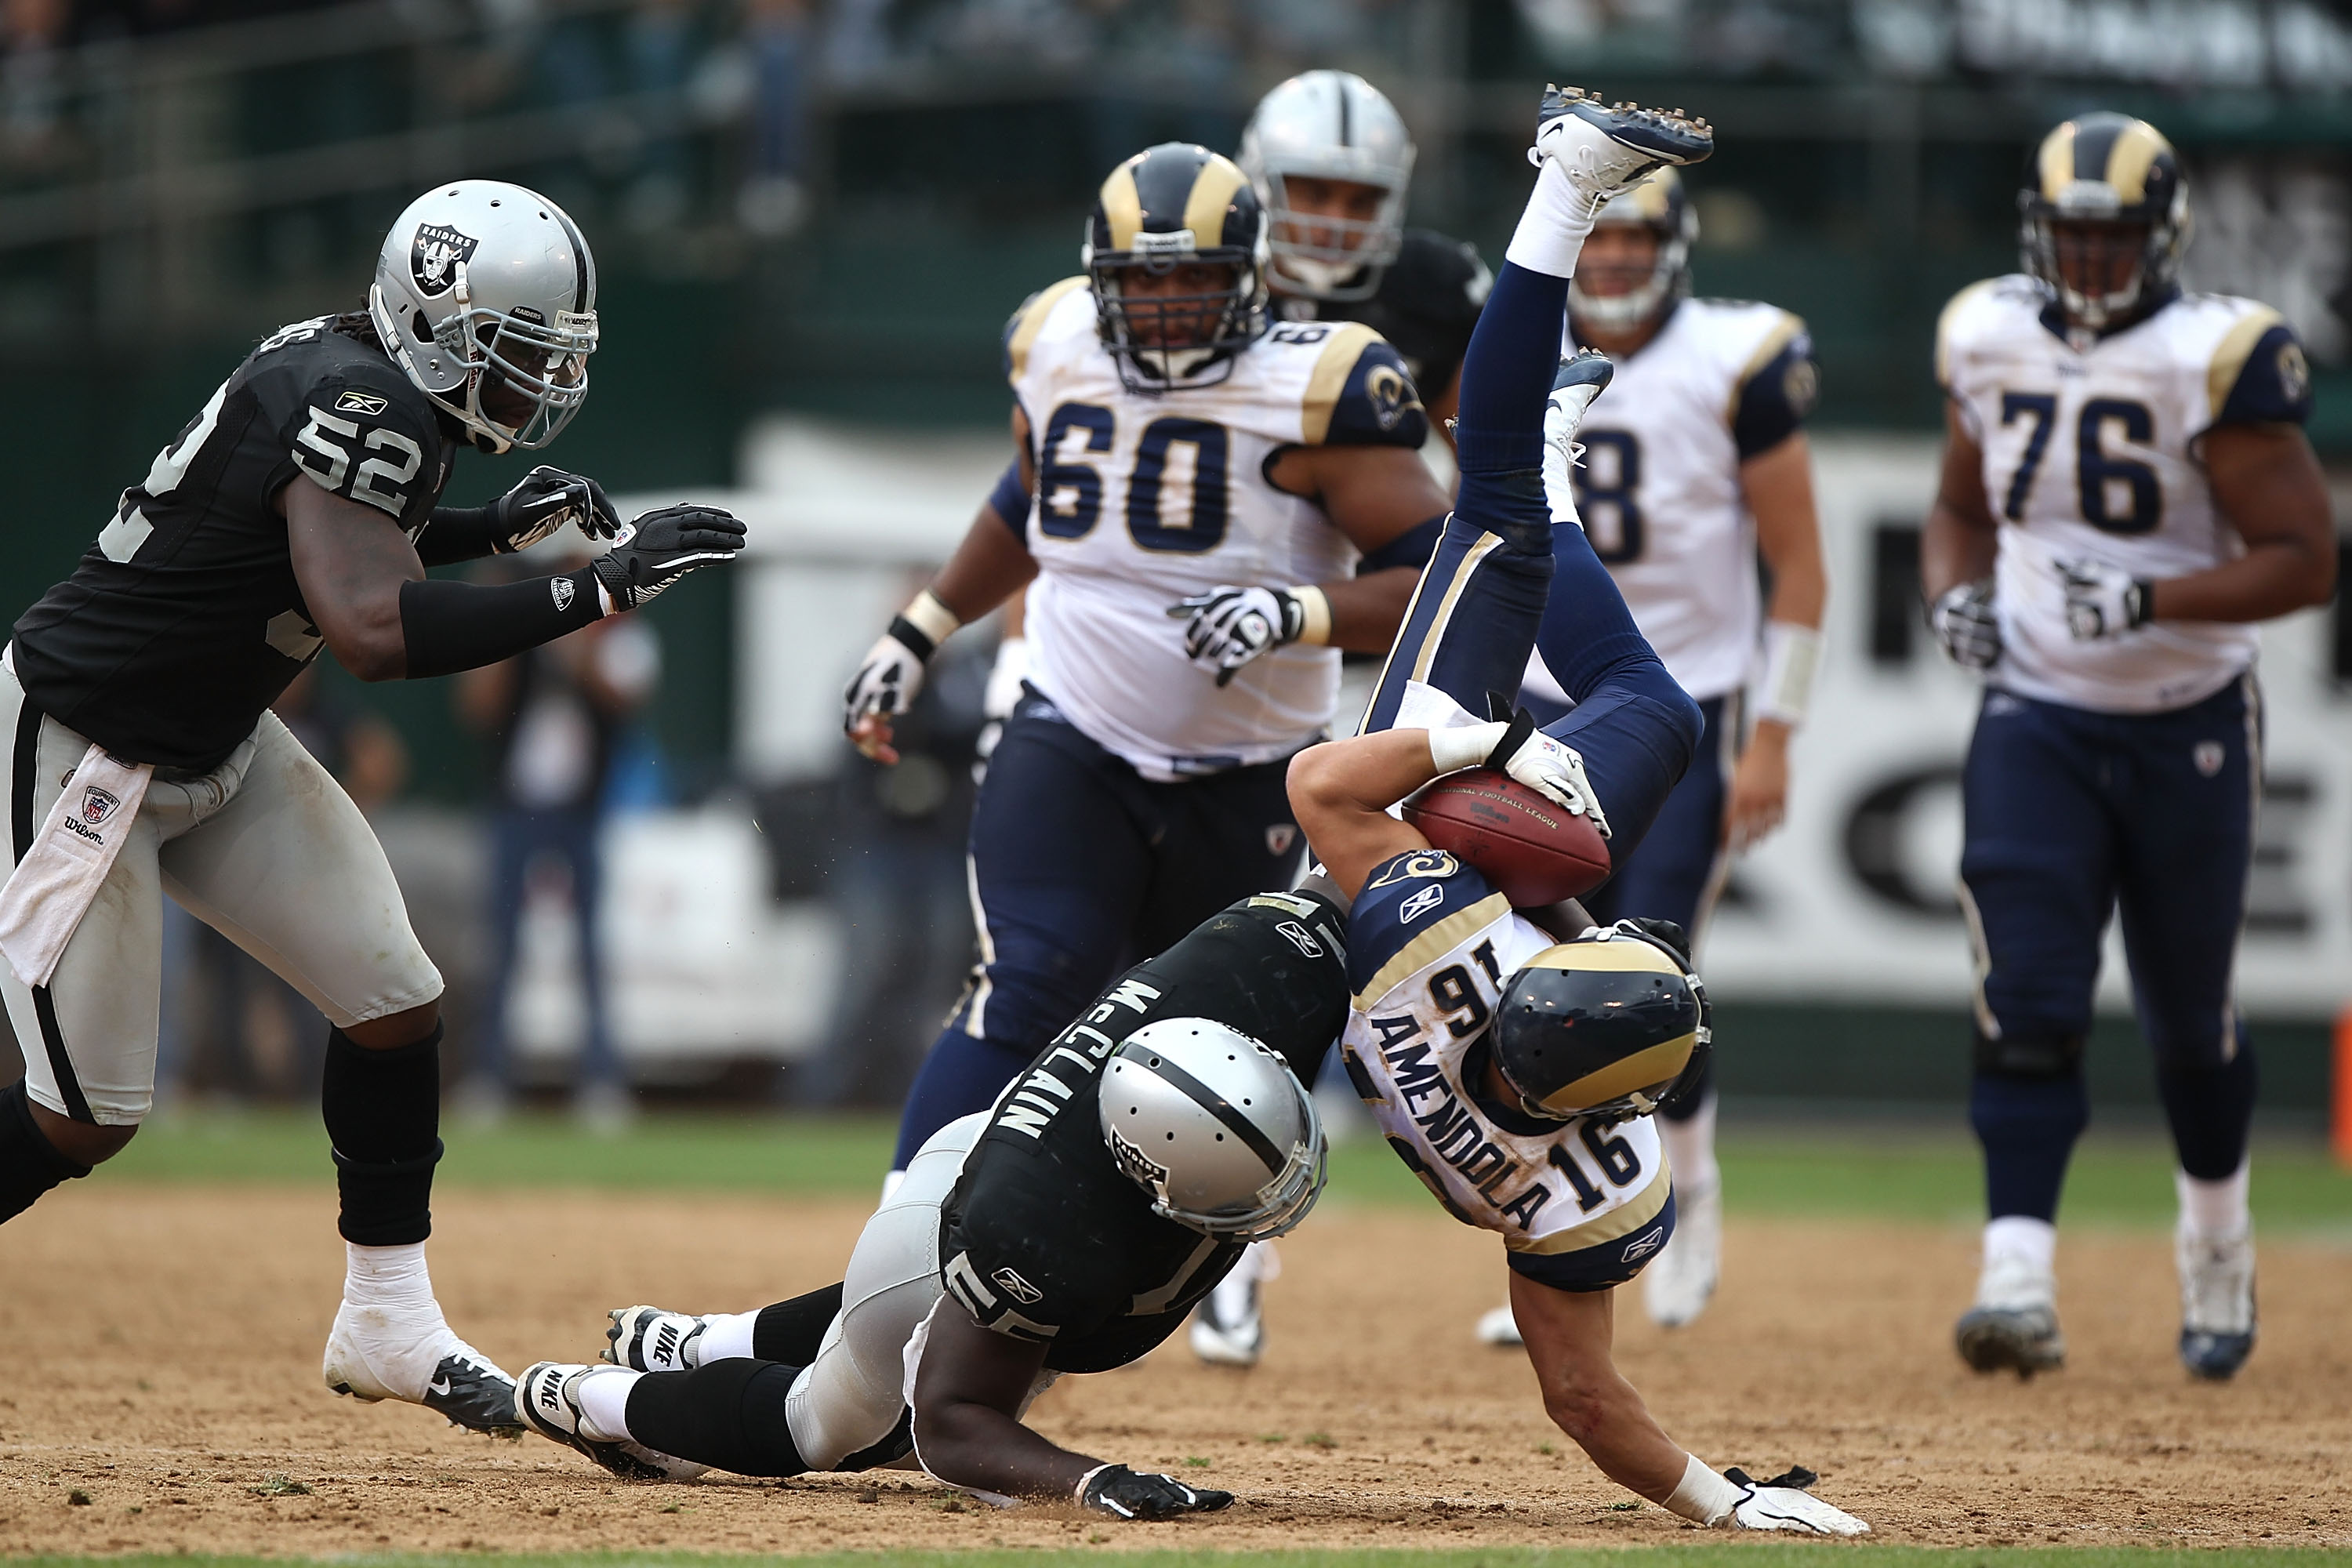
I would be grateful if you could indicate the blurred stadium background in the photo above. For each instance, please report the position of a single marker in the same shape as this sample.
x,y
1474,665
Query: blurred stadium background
x,y
812,218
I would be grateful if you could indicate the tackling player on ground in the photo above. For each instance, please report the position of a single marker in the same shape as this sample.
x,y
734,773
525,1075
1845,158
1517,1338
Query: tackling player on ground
x,y
1173,447
1696,464
1514,1073
2126,491
1071,1228
298,510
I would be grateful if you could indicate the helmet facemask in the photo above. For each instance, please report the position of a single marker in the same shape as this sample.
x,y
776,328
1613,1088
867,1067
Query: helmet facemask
x,y
2052,238
1164,341
1660,207
1329,257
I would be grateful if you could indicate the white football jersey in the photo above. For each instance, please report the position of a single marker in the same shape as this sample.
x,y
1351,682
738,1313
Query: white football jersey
x,y
1659,489
2091,452
1430,944
1143,498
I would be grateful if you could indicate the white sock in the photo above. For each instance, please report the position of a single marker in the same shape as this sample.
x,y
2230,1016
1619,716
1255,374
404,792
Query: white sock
x,y
726,1336
1551,231
386,1276
2216,1209
1690,1148
603,1398
1702,1496
2016,1236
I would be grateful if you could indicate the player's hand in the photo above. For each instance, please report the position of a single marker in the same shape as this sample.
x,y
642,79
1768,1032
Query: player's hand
x,y
884,686
1226,627
2102,601
547,499
1964,621
663,546
1552,769
1758,801
1782,1503
1128,1494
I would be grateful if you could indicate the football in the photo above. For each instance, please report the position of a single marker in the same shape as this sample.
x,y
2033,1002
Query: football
x,y
1534,852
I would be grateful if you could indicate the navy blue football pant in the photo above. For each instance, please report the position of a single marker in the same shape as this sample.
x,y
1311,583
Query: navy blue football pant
x,y
1080,866
2071,815
1507,579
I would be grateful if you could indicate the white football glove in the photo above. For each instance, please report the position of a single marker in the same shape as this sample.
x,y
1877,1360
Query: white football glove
x,y
1782,1503
1964,621
1552,769
1226,628
2102,601
886,683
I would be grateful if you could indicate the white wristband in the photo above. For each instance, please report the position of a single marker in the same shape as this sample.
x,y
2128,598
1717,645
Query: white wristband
x,y
1463,746
930,617
1702,1496
1315,614
1792,654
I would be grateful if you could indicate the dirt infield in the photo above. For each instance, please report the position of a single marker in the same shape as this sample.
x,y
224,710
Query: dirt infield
x,y
164,1351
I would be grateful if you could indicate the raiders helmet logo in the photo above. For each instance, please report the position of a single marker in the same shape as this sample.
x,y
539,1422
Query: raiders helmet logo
x,y
435,255
559,588
1140,1167
1420,863
1009,1281
98,805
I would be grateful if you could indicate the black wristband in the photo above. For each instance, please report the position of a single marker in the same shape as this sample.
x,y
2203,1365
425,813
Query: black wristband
x,y
450,626
907,632
458,533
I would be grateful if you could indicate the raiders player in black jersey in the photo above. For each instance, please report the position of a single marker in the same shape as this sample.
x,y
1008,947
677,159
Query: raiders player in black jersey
x,y
1070,1228
298,510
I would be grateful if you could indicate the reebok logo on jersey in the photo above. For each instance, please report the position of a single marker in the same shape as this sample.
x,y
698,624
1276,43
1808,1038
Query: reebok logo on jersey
x,y
1644,1245
362,403
1299,937
1009,1278
435,255
1420,904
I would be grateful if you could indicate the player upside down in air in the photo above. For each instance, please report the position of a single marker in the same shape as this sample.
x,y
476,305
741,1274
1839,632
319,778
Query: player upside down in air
x,y
1514,1072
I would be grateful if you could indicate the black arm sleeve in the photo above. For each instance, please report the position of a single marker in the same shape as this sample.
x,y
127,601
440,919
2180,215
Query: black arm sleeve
x,y
456,534
450,626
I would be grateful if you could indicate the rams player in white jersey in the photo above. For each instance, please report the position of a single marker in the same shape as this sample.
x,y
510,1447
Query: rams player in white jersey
x,y
2126,491
1513,1071
1694,465
1202,504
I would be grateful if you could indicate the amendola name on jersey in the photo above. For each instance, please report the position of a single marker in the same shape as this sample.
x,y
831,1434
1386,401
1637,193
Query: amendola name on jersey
x,y
1143,498
184,621
1659,489
1580,1206
2091,451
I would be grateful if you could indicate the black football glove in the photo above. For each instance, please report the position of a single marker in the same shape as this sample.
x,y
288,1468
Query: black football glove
x,y
1115,1489
661,546
545,500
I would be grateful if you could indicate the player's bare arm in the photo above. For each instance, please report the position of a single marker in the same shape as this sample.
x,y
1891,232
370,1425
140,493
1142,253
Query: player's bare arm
x,y
1778,484
2268,484
351,561
1568,1335
1955,553
1374,495
968,1391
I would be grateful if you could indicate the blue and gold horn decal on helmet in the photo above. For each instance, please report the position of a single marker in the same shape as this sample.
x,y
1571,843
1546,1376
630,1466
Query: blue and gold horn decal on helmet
x,y
1176,251
2103,195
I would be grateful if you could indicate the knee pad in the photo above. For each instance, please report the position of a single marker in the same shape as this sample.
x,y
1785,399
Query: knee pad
x,y
2032,1057
29,1163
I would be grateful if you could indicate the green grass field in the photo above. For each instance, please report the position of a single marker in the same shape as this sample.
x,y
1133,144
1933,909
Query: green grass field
x,y
1836,1170
1727,1554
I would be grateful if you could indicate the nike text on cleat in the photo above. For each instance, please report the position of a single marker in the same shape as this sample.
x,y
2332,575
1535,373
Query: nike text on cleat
x,y
649,1339
1679,1281
1605,149
407,1353
2217,1302
547,1401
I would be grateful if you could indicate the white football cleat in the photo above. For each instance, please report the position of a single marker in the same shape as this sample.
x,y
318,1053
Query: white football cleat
x,y
1229,1325
406,1351
648,1339
1677,1285
1582,377
1607,150
547,1400
2014,1323
2217,1302
1500,1326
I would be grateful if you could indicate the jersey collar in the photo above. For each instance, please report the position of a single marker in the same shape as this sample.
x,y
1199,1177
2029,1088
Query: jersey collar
x,y
2054,321
1665,321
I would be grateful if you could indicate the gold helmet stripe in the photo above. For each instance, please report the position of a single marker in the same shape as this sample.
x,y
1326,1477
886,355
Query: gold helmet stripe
x,y
2134,152
1123,205
1213,192
1656,1063
2055,166
1618,955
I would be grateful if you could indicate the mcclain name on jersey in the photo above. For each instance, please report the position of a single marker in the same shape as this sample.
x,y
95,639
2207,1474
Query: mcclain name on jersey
x,y
1580,1205
2092,451
1143,498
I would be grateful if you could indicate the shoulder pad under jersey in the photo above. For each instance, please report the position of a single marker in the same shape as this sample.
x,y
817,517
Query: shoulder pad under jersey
x,y
2258,374
1021,332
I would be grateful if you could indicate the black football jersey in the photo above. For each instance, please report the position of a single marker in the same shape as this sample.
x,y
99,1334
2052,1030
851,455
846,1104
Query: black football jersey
x,y
1043,1237
1427,305
184,621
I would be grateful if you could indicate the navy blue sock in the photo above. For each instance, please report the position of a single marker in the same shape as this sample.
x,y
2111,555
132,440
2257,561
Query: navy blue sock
x,y
2212,1108
1507,370
2028,1127
961,1076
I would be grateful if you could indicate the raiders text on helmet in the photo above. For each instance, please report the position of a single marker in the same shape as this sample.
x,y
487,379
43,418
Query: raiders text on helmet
x,y
1660,205
1165,207
1599,1026
486,294
1214,1127
2104,170
1331,125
